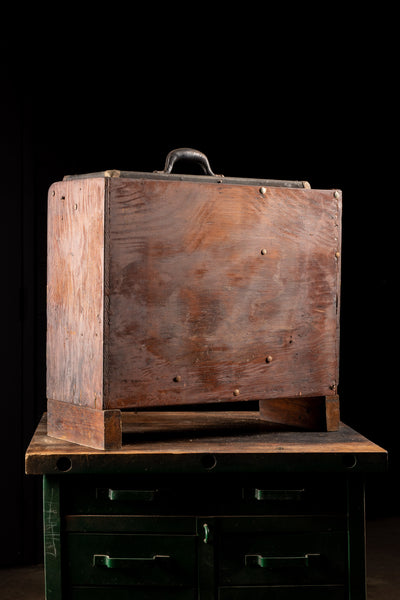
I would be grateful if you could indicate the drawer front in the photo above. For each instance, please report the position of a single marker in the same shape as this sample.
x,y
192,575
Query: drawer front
x,y
106,593
268,494
125,559
137,524
133,495
284,593
285,495
261,551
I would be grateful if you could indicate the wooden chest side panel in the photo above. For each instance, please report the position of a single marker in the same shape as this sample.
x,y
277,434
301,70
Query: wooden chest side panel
x,y
219,292
75,274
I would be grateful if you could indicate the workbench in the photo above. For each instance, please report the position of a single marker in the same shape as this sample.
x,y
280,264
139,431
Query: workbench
x,y
206,505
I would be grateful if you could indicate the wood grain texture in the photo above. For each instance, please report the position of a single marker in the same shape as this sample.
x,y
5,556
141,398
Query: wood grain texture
x,y
197,313
82,425
75,275
320,413
175,293
183,438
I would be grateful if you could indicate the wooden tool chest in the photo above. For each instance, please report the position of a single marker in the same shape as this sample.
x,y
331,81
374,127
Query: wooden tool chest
x,y
168,289
205,507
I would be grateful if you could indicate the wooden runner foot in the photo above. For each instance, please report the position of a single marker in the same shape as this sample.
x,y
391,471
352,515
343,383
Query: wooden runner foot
x,y
319,413
100,429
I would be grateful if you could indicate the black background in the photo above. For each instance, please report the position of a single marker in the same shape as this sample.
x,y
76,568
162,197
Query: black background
x,y
263,93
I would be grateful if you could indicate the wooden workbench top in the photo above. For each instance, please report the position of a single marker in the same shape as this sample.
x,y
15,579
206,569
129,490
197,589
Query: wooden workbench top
x,y
207,441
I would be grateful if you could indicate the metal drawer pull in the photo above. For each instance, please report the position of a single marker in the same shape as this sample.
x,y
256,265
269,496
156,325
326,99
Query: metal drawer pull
x,y
265,562
278,495
103,560
132,495
206,533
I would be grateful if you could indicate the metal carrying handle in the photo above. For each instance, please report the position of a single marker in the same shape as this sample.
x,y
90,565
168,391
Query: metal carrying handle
x,y
187,154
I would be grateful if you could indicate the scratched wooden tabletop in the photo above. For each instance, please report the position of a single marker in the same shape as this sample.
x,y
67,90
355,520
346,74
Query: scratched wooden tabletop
x,y
175,440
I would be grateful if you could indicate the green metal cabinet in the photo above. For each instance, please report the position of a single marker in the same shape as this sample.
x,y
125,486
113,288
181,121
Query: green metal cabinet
x,y
228,525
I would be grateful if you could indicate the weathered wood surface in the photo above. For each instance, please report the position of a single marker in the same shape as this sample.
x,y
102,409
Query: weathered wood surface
x,y
175,293
75,278
157,436
199,313
321,413
82,425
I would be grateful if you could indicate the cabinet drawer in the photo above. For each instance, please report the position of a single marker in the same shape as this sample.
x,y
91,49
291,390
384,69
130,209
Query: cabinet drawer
x,y
261,551
125,559
132,495
134,524
106,593
284,593
286,495
267,494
